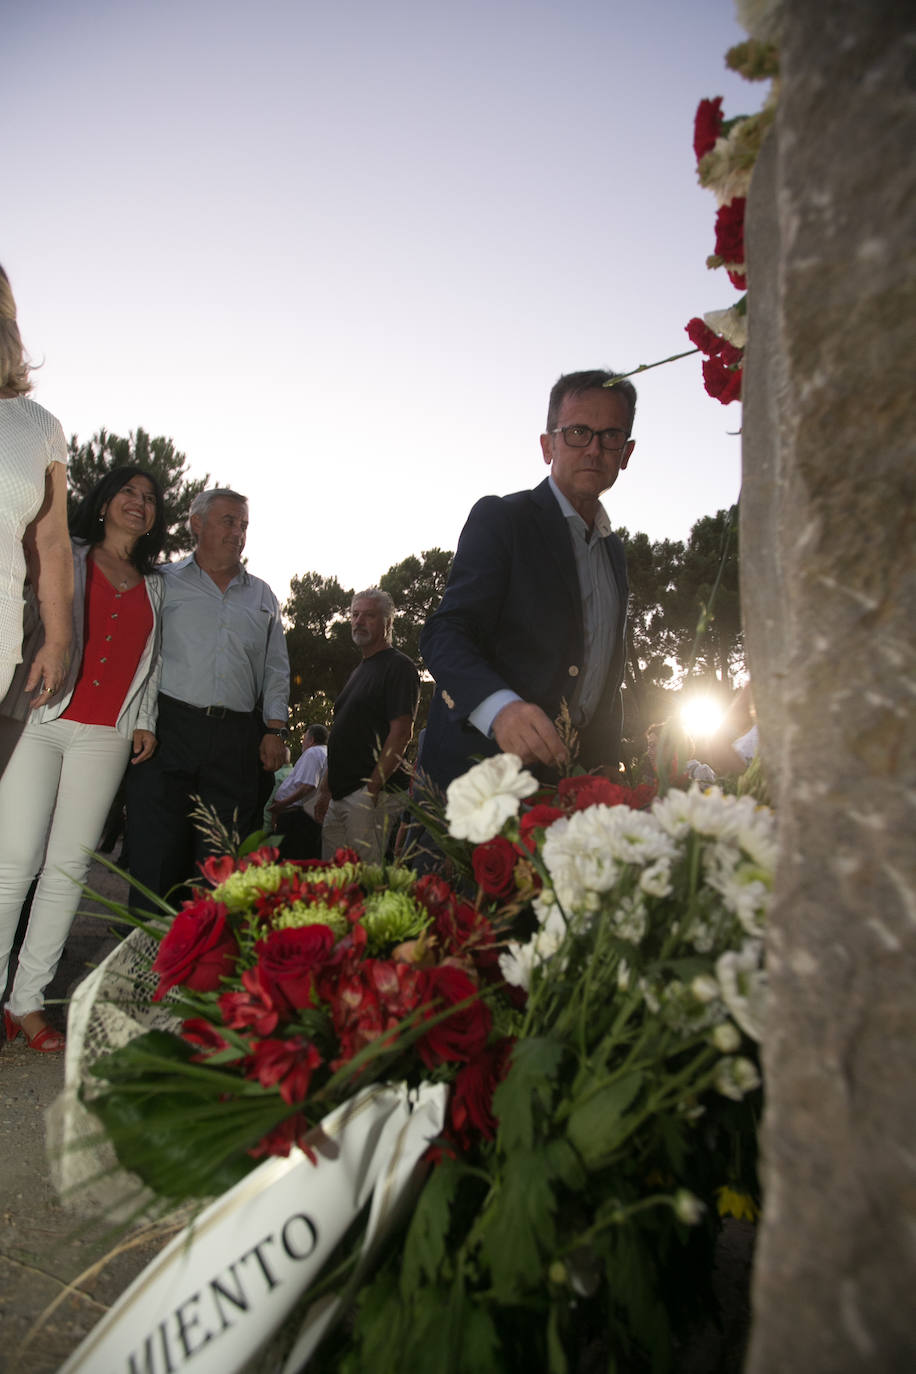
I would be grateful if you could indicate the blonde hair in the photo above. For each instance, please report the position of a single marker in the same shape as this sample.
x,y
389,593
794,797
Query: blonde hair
x,y
14,366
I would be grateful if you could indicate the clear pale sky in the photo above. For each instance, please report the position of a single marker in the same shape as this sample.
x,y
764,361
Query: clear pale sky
x,y
340,252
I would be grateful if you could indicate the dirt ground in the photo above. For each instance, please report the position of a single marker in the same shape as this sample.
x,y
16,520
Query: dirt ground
x,y
47,1252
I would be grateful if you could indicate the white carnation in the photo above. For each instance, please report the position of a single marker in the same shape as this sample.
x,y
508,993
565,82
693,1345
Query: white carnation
x,y
481,801
729,324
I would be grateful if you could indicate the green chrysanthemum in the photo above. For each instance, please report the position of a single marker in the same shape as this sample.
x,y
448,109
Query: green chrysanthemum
x,y
391,917
240,890
316,913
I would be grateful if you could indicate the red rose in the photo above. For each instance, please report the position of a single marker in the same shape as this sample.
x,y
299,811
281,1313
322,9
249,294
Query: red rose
x,y
471,1100
463,1035
494,866
707,126
737,279
287,1064
730,231
288,961
540,817
198,951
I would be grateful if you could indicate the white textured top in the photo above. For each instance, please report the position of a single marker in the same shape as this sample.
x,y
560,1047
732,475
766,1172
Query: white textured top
x,y
30,441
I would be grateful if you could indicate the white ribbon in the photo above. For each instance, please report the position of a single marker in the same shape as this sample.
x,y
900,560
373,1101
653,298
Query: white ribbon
x,y
221,1289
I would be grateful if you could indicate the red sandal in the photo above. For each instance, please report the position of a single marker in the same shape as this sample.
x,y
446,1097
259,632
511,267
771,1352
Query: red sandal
x,y
47,1040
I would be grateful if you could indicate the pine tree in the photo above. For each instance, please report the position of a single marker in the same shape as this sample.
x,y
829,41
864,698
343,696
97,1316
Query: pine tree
x,y
90,461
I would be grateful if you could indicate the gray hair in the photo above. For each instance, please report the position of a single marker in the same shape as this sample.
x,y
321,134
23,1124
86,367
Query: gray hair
x,y
14,366
204,500
376,594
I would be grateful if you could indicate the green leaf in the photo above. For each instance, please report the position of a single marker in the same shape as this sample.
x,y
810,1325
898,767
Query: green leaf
x,y
535,1064
520,1226
598,1124
480,1346
424,1247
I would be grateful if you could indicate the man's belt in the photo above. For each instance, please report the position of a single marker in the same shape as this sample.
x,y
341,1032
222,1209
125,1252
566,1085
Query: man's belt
x,y
215,712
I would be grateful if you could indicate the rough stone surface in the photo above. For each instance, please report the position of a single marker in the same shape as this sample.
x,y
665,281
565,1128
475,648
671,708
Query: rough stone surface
x,y
829,582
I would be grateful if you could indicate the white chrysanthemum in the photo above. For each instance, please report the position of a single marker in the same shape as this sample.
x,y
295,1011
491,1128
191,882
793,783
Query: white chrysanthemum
x,y
688,1208
743,981
656,879
708,813
584,854
726,1038
481,801
630,919
729,324
734,1077
705,988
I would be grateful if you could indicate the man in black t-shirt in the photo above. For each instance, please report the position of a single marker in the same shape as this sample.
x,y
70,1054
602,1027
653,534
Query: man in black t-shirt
x,y
373,723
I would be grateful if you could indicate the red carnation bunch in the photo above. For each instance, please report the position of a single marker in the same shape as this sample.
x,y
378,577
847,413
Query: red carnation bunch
x,y
723,365
707,126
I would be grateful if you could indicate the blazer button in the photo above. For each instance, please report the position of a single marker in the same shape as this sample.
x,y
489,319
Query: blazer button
x,y
573,670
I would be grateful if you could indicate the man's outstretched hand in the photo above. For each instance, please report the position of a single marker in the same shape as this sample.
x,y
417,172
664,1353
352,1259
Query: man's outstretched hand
x,y
524,729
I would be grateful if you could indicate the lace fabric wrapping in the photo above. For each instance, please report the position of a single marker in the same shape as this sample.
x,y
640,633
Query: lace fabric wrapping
x,y
110,1007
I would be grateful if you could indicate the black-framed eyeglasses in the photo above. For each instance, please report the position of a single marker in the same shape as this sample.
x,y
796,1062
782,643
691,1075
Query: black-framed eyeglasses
x,y
580,436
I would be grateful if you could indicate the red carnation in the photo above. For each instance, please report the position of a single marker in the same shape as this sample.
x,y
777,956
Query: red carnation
x,y
463,1035
730,231
494,866
287,1064
288,961
540,817
199,949
721,382
707,126
702,337
471,1101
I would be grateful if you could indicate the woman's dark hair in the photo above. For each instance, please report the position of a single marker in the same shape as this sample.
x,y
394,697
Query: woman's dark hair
x,y
88,522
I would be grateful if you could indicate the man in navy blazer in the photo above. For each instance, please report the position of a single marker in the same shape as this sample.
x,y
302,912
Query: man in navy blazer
x,y
534,614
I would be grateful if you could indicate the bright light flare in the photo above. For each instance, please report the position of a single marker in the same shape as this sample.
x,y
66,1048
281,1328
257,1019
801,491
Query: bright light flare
x,y
701,716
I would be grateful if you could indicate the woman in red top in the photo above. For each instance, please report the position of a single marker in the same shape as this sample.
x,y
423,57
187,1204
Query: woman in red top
x,y
71,756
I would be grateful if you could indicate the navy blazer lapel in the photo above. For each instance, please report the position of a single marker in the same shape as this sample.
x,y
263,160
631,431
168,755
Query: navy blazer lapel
x,y
552,527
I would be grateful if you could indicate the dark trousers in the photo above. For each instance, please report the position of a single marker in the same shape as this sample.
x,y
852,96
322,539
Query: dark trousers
x,y
301,835
199,756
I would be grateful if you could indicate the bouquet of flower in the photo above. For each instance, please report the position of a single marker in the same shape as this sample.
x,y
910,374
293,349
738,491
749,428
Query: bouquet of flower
x,y
584,1219
291,987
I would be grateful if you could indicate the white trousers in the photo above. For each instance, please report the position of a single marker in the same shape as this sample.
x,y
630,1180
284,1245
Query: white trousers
x,y
358,822
54,798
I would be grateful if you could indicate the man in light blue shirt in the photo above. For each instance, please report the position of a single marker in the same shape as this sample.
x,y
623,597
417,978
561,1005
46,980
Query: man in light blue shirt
x,y
223,701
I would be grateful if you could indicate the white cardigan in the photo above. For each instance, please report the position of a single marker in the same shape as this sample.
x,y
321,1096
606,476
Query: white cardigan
x,y
140,707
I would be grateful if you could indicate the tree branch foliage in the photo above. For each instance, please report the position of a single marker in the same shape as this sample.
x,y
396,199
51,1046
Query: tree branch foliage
x,y
89,461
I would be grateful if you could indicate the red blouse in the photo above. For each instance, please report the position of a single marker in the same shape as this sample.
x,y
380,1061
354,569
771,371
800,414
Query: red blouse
x,y
117,626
